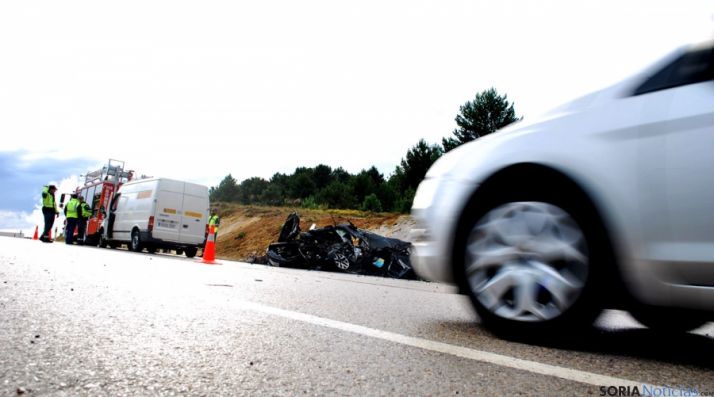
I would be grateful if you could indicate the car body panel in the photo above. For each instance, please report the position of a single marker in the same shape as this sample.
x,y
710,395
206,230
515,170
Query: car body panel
x,y
646,162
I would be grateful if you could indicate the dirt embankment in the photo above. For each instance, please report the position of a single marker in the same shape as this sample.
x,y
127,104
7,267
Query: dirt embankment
x,y
247,231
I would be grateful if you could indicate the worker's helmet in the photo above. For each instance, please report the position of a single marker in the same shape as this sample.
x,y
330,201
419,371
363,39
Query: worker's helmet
x,y
52,187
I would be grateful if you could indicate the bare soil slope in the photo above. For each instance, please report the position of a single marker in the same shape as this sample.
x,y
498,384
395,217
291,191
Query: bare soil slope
x,y
246,231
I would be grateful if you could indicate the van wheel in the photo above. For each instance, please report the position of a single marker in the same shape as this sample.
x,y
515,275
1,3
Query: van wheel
x,y
135,244
191,252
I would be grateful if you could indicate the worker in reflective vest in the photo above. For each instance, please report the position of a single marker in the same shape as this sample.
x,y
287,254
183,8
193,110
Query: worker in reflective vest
x,y
214,220
71,212
84,213
49,211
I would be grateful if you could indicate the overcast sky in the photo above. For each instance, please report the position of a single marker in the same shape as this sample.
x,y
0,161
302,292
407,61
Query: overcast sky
x,y
197,90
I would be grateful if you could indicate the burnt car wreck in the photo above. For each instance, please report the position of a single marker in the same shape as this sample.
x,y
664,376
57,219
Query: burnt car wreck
x,y
340,248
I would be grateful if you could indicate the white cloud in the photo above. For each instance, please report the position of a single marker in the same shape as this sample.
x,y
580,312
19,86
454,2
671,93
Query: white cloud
x,y
11,221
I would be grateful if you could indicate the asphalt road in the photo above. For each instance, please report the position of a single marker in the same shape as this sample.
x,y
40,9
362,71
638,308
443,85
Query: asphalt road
x,y
89,321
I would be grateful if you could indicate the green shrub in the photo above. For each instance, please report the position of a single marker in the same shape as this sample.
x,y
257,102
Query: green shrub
x,y
371,204
310,203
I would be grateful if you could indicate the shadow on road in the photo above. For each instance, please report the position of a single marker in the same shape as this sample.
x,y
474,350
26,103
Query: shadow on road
x,y
679,348
641,343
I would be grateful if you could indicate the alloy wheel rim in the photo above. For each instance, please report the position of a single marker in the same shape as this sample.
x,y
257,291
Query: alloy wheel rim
x,y
527,261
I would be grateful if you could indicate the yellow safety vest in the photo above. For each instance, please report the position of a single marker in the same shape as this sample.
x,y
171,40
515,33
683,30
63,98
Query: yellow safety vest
x,y
72,207
213,220
86,212
48,199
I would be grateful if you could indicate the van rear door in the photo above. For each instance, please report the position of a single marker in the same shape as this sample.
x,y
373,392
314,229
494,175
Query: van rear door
x,y
195,214
169,200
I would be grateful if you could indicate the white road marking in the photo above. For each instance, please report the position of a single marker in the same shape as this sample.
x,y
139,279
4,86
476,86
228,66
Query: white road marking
x,y
459,351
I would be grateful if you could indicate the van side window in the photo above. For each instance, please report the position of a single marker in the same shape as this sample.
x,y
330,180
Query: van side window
x,y
693,67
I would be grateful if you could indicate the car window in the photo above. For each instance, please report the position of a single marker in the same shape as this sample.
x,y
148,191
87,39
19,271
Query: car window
x,y
693,67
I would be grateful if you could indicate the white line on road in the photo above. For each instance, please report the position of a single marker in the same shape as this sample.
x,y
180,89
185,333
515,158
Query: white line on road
x,y
459,351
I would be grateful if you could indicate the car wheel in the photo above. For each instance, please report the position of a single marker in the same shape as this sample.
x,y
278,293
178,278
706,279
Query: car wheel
x,y
667,320
528,265
135,243
339,256
191,252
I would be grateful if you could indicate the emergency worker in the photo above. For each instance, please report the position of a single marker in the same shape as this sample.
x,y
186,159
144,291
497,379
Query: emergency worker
x,y
71,212
49,211
214,220
84,213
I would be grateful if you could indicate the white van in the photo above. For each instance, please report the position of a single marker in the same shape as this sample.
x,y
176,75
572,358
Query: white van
x,y
157,213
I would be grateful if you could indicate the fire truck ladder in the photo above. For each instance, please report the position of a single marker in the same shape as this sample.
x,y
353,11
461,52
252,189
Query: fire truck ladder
x,y
113,172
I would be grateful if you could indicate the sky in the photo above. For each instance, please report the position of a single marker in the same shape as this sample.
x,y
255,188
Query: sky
x,y
197,90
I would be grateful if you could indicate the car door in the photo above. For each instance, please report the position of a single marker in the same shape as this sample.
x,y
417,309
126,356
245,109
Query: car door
x,y
678,170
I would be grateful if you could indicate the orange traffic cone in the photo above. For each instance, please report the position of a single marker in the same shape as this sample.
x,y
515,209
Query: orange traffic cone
x,y
35,236
209,251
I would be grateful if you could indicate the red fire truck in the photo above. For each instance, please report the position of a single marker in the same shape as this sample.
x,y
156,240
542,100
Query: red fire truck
x,y
98,191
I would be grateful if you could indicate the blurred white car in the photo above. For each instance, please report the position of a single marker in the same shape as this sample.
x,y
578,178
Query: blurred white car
x,y
606,202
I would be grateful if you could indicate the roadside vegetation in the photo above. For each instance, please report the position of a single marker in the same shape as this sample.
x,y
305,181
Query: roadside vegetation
x,y
324,187
247,230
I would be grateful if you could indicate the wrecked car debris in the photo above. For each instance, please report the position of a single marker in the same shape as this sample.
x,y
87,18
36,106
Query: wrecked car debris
x,y
341,248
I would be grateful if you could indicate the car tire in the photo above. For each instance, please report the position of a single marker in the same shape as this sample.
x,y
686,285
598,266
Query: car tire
x,y
531,259
191,252
135,243
667,320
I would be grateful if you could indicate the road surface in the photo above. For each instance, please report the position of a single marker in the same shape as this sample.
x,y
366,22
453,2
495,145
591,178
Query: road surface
x,y
90,321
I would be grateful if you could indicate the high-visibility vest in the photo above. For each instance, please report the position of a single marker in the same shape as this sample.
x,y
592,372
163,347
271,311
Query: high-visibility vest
x,y
214,220
72,208
48,199
86,212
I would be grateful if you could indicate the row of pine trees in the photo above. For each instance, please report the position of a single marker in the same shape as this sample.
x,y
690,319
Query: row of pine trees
x,y
369,190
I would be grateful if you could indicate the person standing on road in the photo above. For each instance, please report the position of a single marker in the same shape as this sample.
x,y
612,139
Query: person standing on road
x,y
71,212
83,215
214,220
49,211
